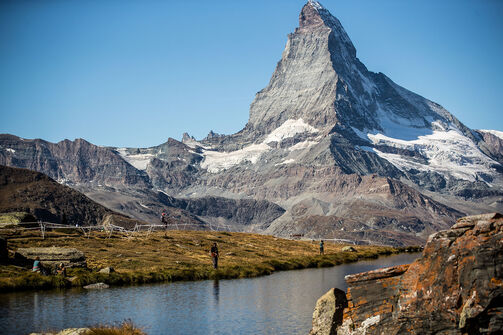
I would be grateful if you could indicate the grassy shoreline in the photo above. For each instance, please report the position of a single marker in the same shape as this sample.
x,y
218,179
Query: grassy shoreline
x,y
174,256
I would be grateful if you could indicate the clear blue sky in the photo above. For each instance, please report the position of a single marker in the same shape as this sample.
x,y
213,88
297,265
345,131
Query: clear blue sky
x,y
133,73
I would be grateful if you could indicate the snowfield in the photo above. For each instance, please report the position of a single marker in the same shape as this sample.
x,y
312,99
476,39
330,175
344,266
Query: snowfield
x,y
139,161
445,148
215,161
289,129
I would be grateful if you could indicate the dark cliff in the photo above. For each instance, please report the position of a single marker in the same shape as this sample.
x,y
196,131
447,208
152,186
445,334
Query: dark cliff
x,y
23,190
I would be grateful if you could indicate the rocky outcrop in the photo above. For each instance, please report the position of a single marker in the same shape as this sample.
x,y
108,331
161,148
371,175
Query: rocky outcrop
x,y
456,287
96,286
107,270
52,256
328,312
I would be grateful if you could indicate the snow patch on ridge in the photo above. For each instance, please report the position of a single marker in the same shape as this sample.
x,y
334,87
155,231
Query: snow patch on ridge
x,y
289,129
191,143
287,161
302,145
215,161
139,161
398,127
316,4
447,151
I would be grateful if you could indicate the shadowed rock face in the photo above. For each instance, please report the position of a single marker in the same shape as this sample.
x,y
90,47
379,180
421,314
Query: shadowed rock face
x,y
23,190
328,312
492,145
242,212
456,287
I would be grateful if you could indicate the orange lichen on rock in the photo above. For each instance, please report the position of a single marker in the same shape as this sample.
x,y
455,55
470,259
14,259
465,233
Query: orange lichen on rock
x,y
456,287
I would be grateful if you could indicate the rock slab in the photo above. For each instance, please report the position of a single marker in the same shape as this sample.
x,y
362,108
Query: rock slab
x,y
107,270
456,287
96,286
52,256
328,312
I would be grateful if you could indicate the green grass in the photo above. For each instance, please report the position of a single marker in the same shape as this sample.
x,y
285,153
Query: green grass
x,y
175,256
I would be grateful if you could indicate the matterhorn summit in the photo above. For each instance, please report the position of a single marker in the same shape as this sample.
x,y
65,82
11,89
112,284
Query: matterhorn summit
x,y
331,150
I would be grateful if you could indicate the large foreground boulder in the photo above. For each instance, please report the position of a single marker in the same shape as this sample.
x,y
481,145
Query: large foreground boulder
x,y
328,312
456,287
52,256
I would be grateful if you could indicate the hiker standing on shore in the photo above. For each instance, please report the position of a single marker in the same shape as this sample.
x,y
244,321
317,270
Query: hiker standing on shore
x,y
214,255
322,247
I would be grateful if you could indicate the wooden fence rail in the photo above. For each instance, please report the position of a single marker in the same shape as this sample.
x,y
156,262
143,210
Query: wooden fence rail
x,y
110,228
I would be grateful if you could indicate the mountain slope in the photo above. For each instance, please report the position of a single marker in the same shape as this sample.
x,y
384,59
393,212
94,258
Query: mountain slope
x,y
345,152
28,191
23,190
71,162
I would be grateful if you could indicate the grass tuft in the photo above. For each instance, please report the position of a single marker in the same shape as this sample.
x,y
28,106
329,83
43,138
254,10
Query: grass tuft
x,y
126,328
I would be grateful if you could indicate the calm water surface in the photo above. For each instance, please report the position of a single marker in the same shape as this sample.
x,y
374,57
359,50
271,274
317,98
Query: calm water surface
x,y
281,303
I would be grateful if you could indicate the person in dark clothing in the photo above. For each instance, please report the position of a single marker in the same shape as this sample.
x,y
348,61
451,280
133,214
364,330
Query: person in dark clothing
x,y
38,267
61,270
322,247
214,255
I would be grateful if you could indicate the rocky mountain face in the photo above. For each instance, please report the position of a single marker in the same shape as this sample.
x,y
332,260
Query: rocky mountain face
x,y
23,190
71,162
345,152
456,287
